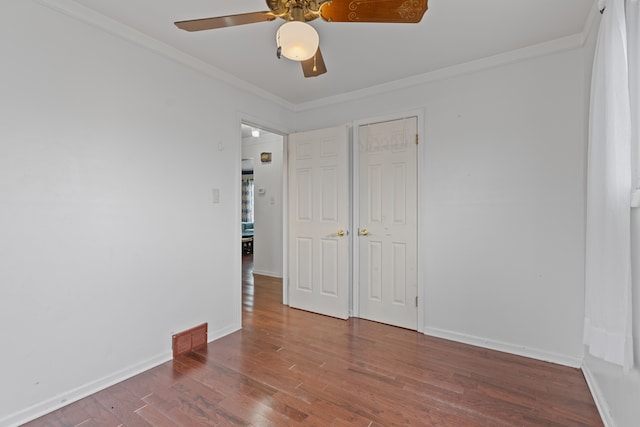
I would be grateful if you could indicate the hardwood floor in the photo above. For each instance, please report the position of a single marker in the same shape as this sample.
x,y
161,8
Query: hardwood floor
x,y
292,368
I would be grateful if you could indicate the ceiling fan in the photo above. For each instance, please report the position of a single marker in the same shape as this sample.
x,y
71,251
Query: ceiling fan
x,y
298,40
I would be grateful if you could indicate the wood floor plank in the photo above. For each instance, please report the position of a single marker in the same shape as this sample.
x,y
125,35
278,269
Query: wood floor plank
x,y
161,377
119,401
172,406
154,417
98,413
78,413
289,367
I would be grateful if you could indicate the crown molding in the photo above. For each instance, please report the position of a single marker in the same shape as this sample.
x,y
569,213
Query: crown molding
x,y
542,49
76,11
95,19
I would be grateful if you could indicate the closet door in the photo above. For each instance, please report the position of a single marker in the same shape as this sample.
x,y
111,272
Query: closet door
x,y
387,234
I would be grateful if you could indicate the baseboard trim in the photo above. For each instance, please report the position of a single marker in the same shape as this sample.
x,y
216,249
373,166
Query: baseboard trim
x,y
31,413
598,397
532,353
71,396
267,273
223,332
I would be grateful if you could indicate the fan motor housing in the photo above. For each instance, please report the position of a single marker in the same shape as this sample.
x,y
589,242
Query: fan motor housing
x,y
296,10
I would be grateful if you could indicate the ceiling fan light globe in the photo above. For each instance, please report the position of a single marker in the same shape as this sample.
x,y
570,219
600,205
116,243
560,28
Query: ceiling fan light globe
x,y
299,41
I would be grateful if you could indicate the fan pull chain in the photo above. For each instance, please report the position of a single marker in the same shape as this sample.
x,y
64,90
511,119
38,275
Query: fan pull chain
x,y
315,68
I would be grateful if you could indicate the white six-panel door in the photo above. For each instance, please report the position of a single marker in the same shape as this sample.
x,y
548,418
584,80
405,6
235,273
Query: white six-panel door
x,y
318,218
387,220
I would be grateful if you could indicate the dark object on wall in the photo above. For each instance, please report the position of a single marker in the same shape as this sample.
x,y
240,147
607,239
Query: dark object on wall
x,y
265,157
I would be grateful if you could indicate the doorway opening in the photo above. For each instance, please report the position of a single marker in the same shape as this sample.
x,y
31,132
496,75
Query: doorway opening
x,y
263,159
367,239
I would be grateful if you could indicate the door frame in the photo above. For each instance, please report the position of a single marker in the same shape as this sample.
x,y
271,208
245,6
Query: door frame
x,y
272,128
355,195
353,170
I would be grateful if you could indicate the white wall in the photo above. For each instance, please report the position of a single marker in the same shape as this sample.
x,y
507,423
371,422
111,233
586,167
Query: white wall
x,y
267,242
109,240
503,191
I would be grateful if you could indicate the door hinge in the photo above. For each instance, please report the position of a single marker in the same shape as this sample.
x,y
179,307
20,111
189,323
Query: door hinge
x,y
416,300
416,139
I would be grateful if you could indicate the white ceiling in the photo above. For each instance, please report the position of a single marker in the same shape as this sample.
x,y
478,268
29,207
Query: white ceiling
x,y
357,55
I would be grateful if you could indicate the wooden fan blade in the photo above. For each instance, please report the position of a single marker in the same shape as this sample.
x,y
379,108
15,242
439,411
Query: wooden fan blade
x,y
225,21
314,66
394,11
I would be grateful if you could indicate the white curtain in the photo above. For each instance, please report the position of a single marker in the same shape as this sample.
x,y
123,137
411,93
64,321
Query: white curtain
x,y
633,41
247,200
607,329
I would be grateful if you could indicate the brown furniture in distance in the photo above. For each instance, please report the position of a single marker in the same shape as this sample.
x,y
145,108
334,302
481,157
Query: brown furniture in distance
x,y
247,238
247,245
